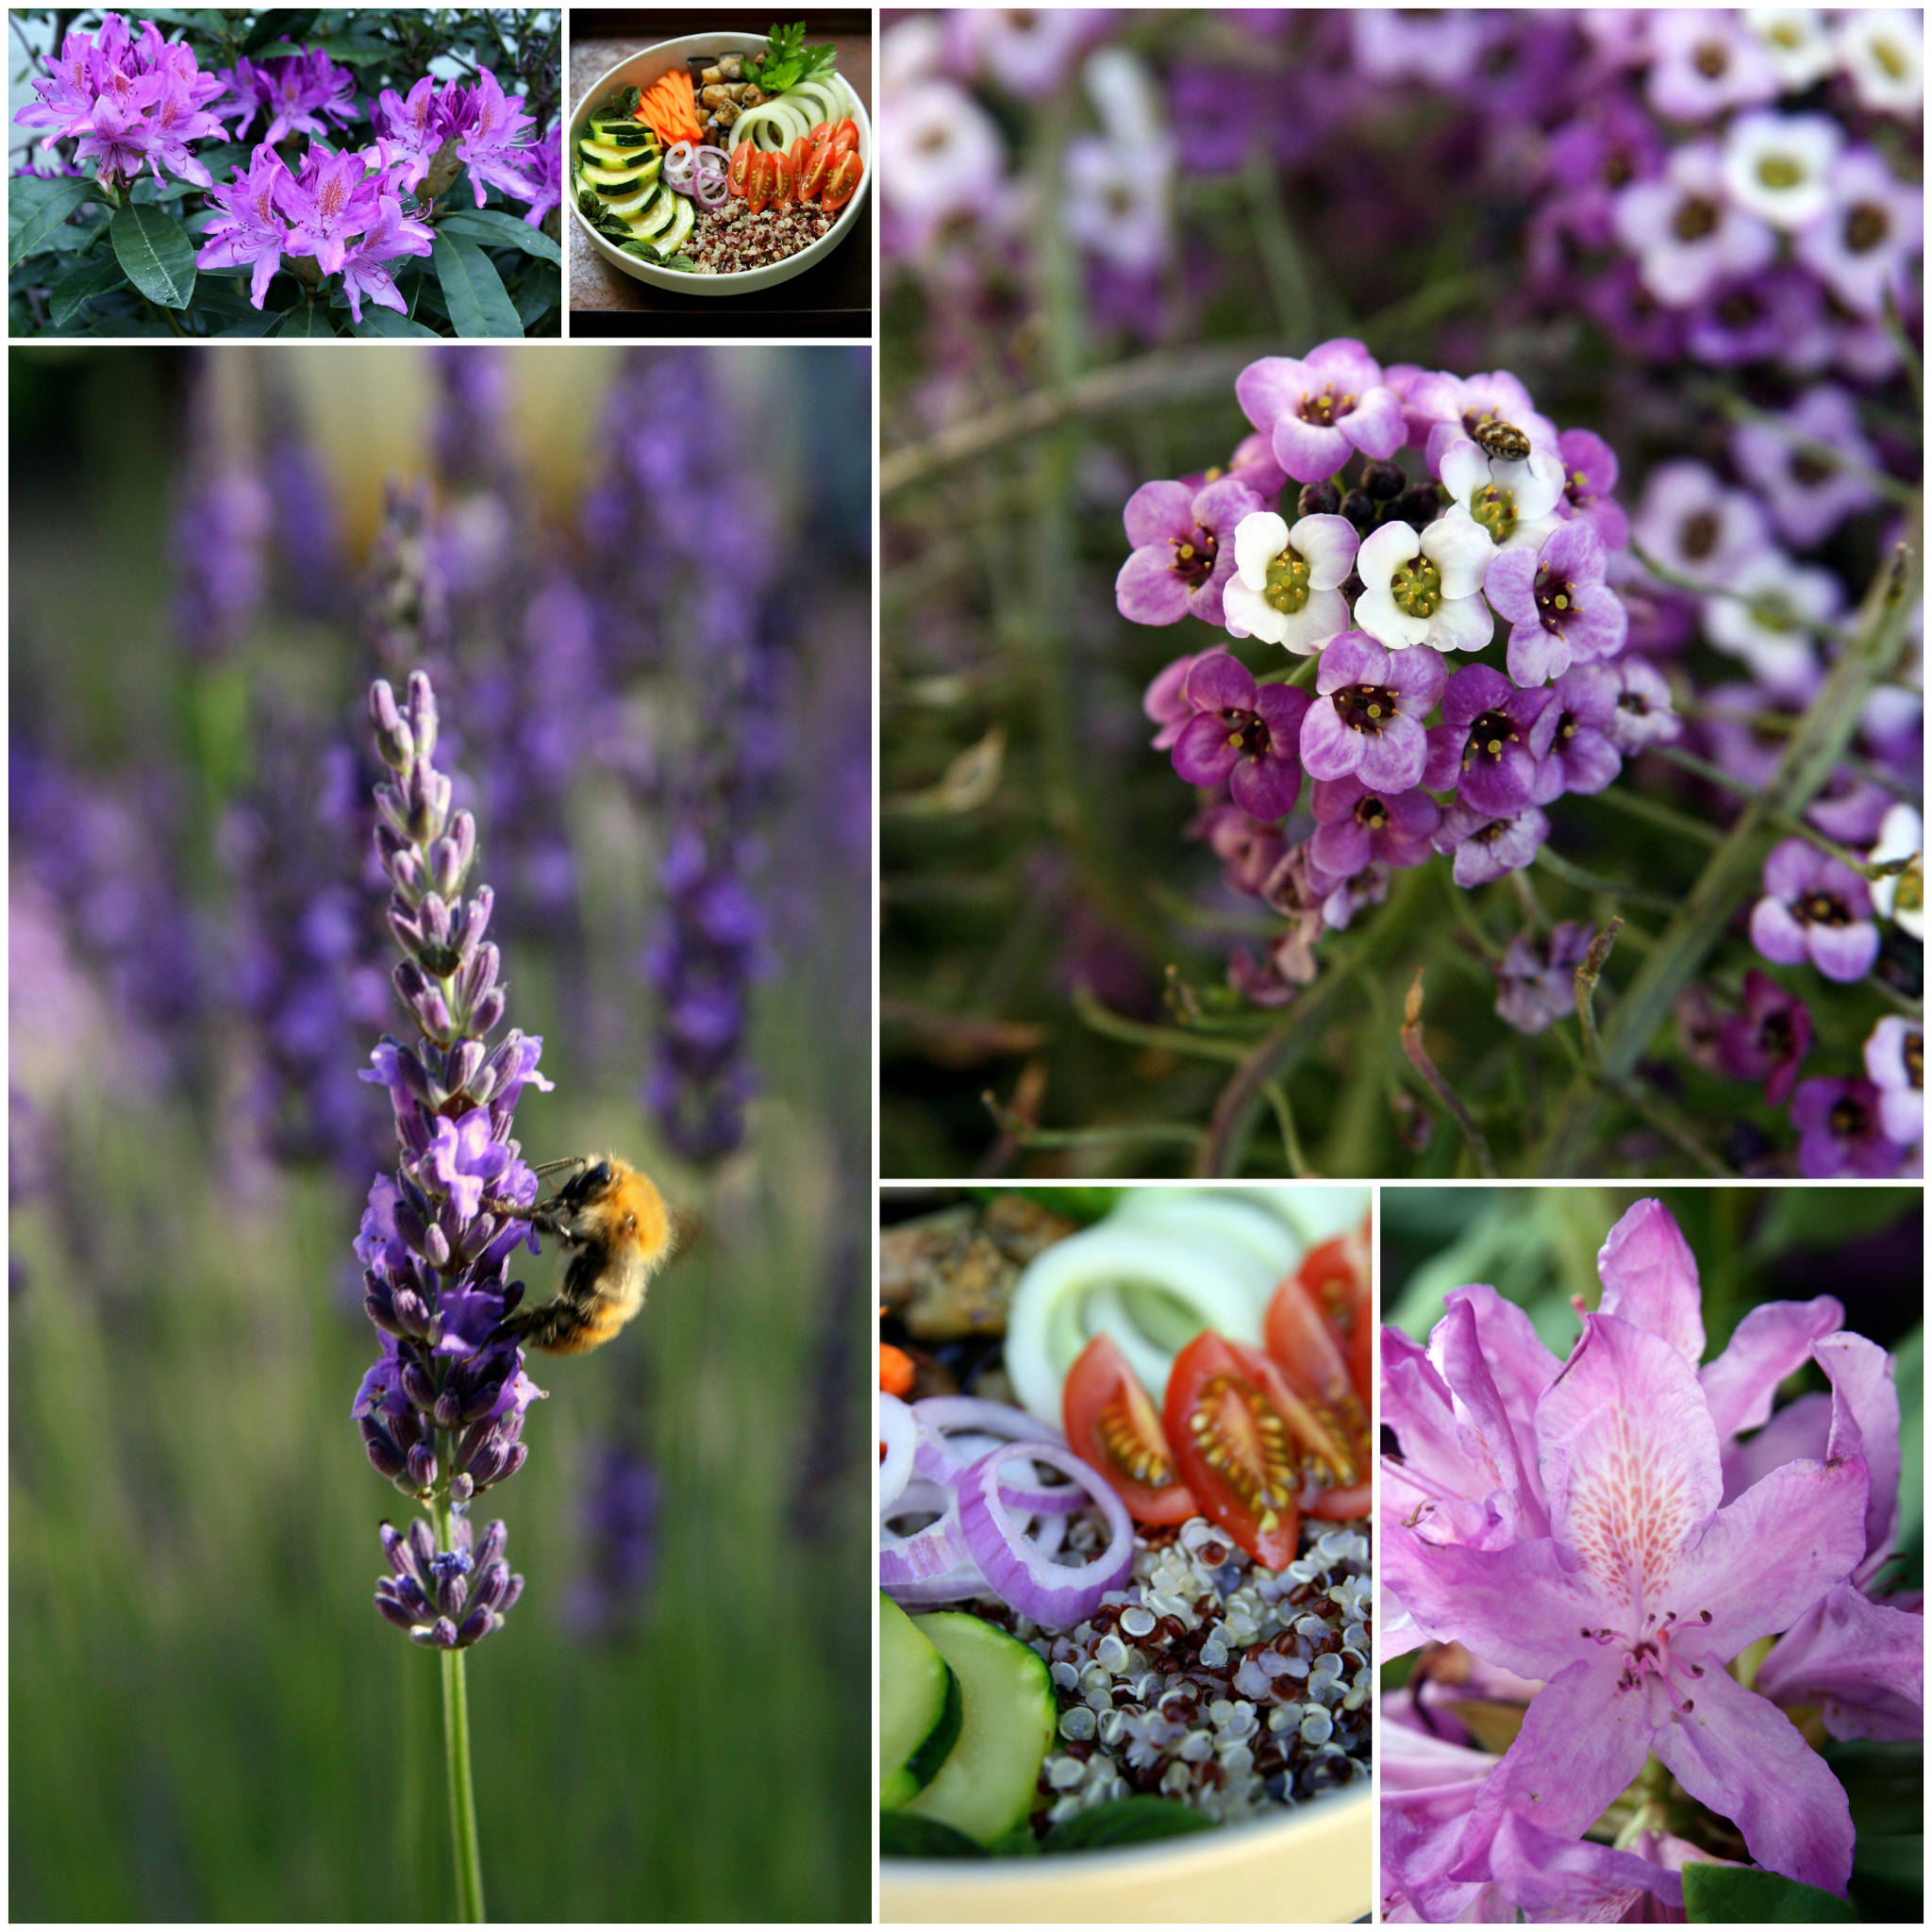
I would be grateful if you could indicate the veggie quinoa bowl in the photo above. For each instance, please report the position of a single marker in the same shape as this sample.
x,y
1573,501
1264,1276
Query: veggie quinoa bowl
x,y
1126,1622
634,193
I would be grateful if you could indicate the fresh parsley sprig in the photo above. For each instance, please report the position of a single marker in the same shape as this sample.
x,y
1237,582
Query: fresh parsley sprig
x,y
787,60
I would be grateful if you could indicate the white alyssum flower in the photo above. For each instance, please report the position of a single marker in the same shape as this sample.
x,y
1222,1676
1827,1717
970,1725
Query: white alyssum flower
x,y
1778,166
1766,624
1426,589
1287,586
1795,42
1901,897
1512,500
1883,49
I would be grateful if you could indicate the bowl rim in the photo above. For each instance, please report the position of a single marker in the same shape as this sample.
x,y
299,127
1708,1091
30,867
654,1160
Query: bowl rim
x,y
731,41
1194,1848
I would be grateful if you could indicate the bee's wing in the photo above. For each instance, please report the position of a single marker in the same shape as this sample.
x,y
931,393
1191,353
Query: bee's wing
x,y
687,1229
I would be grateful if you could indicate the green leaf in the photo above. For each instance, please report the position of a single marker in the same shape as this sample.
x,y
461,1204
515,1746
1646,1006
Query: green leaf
x,y
379,323
478,304
1126,1821
254,326
35,208
1737,1896
90,279
206,19
305,320
356,52
491,225
1886,1783
537,293
154,250
277,23
904,1836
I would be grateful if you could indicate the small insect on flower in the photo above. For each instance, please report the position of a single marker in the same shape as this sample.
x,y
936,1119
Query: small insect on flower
x,y
616,1220
1501,440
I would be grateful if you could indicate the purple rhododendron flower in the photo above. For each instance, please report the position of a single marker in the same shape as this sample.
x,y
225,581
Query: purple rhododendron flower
x,y
1482,749
1183,549
295,92
1609,1527
1536,978
1242,734
1895,1064
328,203
493,139
1559,607
1572,738
1356,826
1318,409
364,266
1485,845
1367,720
1841,1131
1767,1039
250,233
1814,908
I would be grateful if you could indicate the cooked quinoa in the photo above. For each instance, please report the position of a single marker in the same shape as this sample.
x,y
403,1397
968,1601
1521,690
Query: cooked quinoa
x,y
729,239
1211,1678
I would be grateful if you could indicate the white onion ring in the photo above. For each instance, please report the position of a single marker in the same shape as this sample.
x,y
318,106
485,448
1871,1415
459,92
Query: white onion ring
x,y
1054,1596
937,1459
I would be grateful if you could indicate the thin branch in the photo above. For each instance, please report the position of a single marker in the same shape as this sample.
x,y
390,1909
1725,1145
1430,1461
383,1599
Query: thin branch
x,y
1419,1059
1290,1140
1166,1038
1555,863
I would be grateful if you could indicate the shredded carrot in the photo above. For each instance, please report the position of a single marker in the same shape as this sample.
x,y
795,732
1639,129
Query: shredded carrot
x,y
895,1370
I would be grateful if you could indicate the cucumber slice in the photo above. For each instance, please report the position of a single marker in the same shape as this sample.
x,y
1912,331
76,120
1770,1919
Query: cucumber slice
x,y
760,126
605,154
919,1708
988,1783
816,100
626,180
625,207
618,132
682,219
657,214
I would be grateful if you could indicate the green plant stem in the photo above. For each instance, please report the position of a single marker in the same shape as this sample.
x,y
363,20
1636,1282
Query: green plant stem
x,y
1282,262
1716,775
1419,1059
1164,1038
456,1751
1291,1138
1732,875
1590,970
1560,866
1634,805
1739,411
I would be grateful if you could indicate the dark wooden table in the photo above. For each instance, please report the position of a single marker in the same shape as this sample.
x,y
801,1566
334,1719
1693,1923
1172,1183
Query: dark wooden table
x,y
834,297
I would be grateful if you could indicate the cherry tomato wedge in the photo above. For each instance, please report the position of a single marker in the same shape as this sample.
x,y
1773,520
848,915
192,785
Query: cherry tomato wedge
x,y
784,182
1335,1274
796,155
1113,1424
743,156
841,182
760,179
1314,1364
818,163
1240,1434
845,136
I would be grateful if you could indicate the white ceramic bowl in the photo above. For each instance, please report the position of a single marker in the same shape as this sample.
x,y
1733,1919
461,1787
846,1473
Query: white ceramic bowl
x,y
1313,1866
640,71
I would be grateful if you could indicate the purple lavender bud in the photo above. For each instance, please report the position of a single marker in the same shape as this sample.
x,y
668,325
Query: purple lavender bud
x,y
447,1409
478,979
462,1065
487,1462
422,1546
510,1595
488,1013
513,1461
394,740
461,1488
419,1389
491,1547
475,922
405,922
474,1628
436,1247
422,1467
423,716
452,1570
388,1459
392,1611
442,1635
395,1548
492,1582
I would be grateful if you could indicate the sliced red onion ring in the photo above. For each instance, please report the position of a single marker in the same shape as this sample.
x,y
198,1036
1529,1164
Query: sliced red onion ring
x,y
937,1459
899,1437
677,162
711,190
956,1586
932,1552
1055,1595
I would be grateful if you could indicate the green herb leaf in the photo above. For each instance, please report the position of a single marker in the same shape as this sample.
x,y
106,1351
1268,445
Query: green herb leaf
x,y
1737,1896
154,250
904,1836
1126,1821
787,60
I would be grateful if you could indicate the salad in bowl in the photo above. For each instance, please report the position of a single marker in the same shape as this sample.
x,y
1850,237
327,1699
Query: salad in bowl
x,y
718,162
1124,1558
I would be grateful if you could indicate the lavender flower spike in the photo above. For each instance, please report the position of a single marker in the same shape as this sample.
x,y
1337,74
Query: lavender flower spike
x,y
441,1410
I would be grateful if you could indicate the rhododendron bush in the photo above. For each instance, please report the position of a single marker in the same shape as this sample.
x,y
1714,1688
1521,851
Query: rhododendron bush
x,y
286,172
1402,592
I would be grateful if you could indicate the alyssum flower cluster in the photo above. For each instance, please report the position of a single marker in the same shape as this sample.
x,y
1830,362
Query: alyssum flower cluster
x,y
441,1410
1602,1537
136,102
1384,577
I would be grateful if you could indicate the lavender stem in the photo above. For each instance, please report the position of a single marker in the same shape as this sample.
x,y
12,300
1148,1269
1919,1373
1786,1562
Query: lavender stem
x,y
456,1744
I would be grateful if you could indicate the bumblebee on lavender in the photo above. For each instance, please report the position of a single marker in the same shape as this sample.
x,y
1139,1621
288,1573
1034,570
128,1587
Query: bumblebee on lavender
x,y
623,1234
